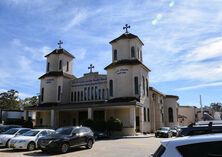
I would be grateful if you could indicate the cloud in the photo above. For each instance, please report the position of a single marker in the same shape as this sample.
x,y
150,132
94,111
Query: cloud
x,y
212,84
77,19
209,49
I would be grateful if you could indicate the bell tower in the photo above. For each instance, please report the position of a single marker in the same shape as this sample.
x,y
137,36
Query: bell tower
x,y
55,82
127,76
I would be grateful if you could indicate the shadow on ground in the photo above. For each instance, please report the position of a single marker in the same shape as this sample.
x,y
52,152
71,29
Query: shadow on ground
x,y
40,153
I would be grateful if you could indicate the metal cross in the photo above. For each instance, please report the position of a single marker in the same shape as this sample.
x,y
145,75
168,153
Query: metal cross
x,y
126,28
60,43
91,67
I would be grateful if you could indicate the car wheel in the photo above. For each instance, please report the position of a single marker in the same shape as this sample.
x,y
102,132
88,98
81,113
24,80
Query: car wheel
x,y
31,146
89,144
64,148
6,145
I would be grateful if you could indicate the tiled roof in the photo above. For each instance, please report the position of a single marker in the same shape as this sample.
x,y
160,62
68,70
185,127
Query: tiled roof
x,y
57,73
126,36
60,51
126,62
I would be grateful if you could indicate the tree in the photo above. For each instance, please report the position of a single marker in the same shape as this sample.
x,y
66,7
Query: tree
x,y
31,101
9,100
216,106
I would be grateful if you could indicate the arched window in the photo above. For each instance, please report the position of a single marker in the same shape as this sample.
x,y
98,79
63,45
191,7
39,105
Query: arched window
x,y
138,52
67,66
99,94
148,114
103,94
42,94
75,96
71,96
132,52
78,95
141,56
115,55
88,93
81,95
92,91
59,93
170,114
60,64
143,85
48,66
110,87
96,92
144,114
147,88
136,85
85,93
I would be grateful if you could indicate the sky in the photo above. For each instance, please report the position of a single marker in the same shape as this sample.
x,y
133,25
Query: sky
x,y
182,41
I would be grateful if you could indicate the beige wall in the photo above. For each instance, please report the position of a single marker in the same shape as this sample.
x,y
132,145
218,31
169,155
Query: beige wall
x,y
123,48
54,60
189,112
170,102
123,82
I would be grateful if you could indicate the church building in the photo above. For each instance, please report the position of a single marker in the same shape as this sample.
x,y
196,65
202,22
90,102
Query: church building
x,y
122,93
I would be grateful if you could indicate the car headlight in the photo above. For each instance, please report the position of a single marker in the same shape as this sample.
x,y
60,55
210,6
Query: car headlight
x,y
21,141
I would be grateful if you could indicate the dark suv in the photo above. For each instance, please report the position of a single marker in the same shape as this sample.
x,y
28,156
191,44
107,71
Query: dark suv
x,y
194,129
66,138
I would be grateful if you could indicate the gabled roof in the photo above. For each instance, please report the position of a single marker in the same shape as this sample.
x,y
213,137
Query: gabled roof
x,y
126,36
60,51
126,62
57,73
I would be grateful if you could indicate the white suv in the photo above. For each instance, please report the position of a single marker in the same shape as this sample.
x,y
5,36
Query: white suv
x,y
209,145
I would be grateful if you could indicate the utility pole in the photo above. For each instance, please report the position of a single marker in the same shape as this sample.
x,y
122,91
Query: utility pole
x,y
201,107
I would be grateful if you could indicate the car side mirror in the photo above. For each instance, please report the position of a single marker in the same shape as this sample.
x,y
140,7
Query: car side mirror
x,y
74,134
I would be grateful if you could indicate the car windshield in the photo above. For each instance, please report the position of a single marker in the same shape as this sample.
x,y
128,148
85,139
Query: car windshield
x,y
164,129
31,133
64,131
11,131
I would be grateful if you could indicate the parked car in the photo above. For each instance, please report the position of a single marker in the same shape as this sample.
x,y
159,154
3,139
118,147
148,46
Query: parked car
x,y
191,146
100,135
174,131
29,139
4,128
6,136
67,137
199,129
163,132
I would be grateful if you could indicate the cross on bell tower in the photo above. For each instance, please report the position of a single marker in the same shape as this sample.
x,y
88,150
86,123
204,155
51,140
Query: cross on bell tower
x,y
126,28
60,43
91,67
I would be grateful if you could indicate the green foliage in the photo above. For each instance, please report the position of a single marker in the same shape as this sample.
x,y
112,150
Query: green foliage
x,y
32,101
114,124
9,100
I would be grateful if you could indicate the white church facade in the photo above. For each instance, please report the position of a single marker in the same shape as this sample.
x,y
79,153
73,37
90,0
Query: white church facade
x,y
122,93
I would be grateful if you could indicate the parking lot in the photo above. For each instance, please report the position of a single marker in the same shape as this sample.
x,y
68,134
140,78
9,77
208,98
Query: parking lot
x,y
140,146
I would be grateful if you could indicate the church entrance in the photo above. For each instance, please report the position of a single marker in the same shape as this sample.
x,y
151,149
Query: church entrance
x,y
137,124
99,116
83,116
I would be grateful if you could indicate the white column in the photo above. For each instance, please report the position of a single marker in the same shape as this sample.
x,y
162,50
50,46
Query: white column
x,y
90,114
141,119
26,115
52,118
133,117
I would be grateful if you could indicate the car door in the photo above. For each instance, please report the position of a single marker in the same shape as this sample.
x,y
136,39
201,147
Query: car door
x,y
74,137
83,135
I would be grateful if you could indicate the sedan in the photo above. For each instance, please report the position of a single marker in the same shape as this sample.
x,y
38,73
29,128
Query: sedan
x,y
66,138
29,139
6,136
163,132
